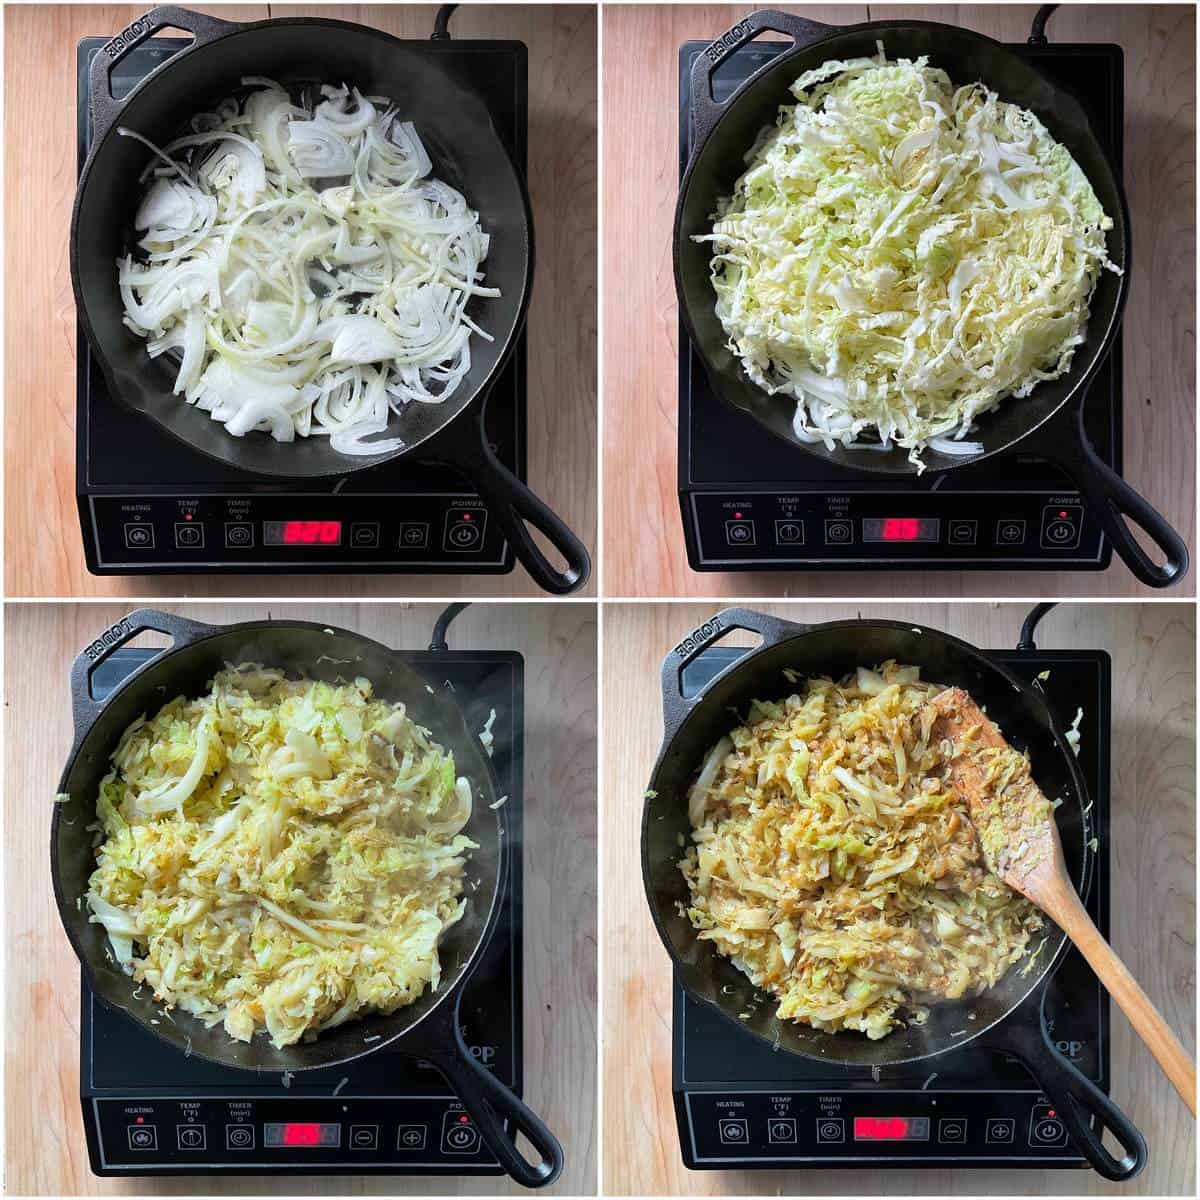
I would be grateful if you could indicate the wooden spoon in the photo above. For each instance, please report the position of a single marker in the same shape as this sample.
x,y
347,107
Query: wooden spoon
x,y
1016,830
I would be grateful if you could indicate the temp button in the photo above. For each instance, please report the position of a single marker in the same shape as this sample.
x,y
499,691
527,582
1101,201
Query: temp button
x,y
789,532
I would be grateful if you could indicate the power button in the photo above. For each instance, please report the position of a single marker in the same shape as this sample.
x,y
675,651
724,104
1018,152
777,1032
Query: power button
x,y
1045,1127
459,1135
1061,526
464,530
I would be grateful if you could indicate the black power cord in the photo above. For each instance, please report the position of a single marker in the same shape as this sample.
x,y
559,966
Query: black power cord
x,y
1030,624
1037,34
441,23
442,624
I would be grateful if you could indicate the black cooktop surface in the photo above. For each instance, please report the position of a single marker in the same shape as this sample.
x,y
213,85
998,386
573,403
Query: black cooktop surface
x,y
750,501
150,504
150,1110
740,1104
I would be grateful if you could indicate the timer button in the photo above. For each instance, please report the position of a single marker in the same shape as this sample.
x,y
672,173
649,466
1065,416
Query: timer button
x,y
364,535
839,531
189,535
464,530
139,536
239,1137
734,1131
831,1129
143,1137
239,535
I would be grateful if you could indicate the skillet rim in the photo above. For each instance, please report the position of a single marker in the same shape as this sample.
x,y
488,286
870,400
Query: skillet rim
x,y
353,463
871,464
1048,966
448,994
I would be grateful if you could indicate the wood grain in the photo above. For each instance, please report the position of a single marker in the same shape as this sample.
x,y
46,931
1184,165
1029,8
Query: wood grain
x,y
640,319
44,555
1153,864
46,1152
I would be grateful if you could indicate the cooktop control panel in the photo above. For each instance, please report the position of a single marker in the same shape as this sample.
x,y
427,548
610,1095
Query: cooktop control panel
x,y
841,529
307,532
353,1134
759,1128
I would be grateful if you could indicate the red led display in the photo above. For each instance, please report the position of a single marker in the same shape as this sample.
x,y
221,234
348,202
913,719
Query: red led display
x,y
312,533
302,1133
901,529
881,1129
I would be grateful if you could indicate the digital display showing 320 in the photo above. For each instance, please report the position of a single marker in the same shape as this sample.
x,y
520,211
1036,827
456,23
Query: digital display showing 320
x,y
302,533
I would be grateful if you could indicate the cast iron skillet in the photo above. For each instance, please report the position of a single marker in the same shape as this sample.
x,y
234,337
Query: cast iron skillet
x,y
429,1028
1007,1018
467,152
1054,411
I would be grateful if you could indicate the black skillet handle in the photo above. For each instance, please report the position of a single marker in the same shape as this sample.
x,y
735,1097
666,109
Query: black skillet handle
x,y
705,110
1115,503
181,630
202,27
675,705
516,508
1077,1100
490,1104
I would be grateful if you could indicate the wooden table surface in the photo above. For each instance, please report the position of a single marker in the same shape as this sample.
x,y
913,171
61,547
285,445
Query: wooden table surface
x,y
43,544
644,547
46,1152
1153,895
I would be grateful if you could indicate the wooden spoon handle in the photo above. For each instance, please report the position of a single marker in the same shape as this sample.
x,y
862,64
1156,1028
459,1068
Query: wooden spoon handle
x,y
1064,905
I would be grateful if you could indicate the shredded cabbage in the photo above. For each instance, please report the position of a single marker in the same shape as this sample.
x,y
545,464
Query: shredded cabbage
x,y
902,255
303,267
280,854
833,862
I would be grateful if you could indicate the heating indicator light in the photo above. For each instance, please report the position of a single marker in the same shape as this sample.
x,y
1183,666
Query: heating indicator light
x,y
891,1129
302,533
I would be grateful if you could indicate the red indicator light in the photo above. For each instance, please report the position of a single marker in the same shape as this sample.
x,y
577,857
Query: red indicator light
x,y
466,516
1052,1113
302,1134
901,529
881,1129
142,1120
465,1120
1062,512
312,533
737,516
187,516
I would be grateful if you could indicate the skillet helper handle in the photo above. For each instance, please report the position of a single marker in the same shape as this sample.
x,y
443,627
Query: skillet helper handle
x,y
489,1104
676,706
516,508
181,630
1077,1100
201,26
1115,504
1061,901
705,110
